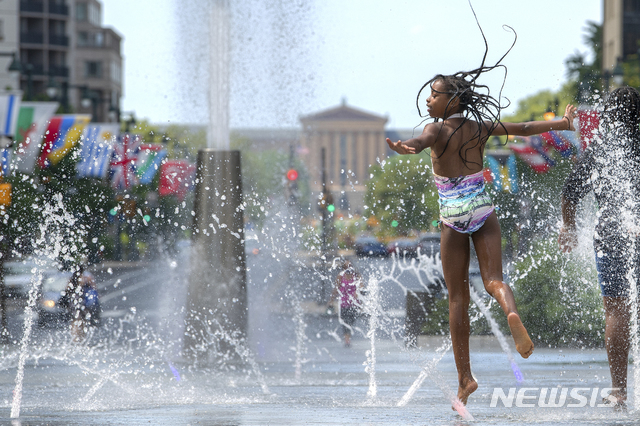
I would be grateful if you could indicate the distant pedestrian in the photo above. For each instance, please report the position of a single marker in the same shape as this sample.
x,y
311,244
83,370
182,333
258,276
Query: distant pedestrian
x,y
82,298
347,288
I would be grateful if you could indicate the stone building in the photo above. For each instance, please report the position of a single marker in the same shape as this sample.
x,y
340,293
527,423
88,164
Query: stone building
x,y
353,140
60,51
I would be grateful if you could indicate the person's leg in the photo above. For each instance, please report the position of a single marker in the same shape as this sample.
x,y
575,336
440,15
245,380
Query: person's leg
x,y
487,242
454,249
347,318
616,338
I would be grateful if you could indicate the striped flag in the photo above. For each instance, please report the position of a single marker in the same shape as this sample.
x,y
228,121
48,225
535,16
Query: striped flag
x,y
150,158
561,144
9,110
5,162
533,153
33,121
503,172
96,150
63,133
123,162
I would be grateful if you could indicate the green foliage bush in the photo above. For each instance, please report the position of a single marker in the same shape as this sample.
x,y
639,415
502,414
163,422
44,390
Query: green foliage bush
x,y
558,297
402,189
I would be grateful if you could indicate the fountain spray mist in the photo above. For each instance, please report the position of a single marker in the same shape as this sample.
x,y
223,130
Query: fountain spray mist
x,y
52,243
496,331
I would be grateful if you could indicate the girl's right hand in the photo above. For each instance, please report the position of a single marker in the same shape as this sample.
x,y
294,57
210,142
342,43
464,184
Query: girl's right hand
x,y
400,148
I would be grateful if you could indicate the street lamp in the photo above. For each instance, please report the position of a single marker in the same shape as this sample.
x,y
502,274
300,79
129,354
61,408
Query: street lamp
x,y
16,68
52,92
618,74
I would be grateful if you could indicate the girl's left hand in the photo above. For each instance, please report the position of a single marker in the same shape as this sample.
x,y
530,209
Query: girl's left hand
x,y
570,113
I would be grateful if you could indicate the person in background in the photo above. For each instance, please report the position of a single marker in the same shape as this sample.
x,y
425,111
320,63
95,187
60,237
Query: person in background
x,y
348,285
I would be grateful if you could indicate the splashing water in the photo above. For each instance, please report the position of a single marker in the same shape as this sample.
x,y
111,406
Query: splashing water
x,y
300,326
242,350
372,308
425,372
633,306
55,232
499,335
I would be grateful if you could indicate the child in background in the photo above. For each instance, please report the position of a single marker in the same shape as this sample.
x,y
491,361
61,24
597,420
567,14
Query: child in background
x,y
347,285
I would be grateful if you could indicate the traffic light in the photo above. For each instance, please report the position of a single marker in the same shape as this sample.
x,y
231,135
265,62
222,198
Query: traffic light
x,y
292,175
326,203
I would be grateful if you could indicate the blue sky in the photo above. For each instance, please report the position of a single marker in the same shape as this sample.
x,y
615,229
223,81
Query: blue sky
x,y
376,54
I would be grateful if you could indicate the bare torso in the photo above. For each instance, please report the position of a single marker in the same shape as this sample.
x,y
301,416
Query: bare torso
x,y
445,152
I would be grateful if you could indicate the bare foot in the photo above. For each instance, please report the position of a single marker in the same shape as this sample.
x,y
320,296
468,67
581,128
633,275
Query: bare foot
x,y
524,345
617,399
466,388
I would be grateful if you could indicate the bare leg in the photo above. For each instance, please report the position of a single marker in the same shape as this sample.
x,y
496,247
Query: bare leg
x,y
487,242
616,338
455,264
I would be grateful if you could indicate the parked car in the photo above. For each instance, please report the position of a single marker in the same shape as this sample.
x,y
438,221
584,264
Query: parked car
x,y
20,273
429,244
252,245
53,303
370,247
50,310
403,247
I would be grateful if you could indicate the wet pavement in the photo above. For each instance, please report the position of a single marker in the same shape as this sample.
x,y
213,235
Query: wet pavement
x,y
292,372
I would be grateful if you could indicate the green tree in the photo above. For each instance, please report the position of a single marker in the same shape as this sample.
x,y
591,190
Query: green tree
x,y
557,297
402,194
585,77
264,181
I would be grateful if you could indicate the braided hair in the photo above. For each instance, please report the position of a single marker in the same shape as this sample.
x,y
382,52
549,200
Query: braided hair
x,y
622,110
621,119
475,99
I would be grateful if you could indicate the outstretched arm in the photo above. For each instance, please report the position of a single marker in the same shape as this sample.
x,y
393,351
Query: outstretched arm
x,y
537,127
416,145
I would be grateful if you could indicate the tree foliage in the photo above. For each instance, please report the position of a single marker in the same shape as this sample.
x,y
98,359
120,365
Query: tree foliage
x,y
558,298
402,190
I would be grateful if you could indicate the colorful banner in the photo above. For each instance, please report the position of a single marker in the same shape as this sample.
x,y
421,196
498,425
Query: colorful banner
x,y
5,162
503,172
533,153
33,121
561,144
176,178
63,133
588,121
9,110
123,162
96,150
150,158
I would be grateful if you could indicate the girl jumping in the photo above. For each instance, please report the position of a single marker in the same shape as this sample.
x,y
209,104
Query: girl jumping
x,y
465,117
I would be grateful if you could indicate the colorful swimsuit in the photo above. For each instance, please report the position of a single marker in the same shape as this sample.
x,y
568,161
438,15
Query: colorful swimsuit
x,y
464,203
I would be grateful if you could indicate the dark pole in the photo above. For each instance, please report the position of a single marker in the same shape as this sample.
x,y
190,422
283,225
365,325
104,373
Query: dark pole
x,y
65,96
327,216
293,184
29,72
325,200
4,252
4,334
